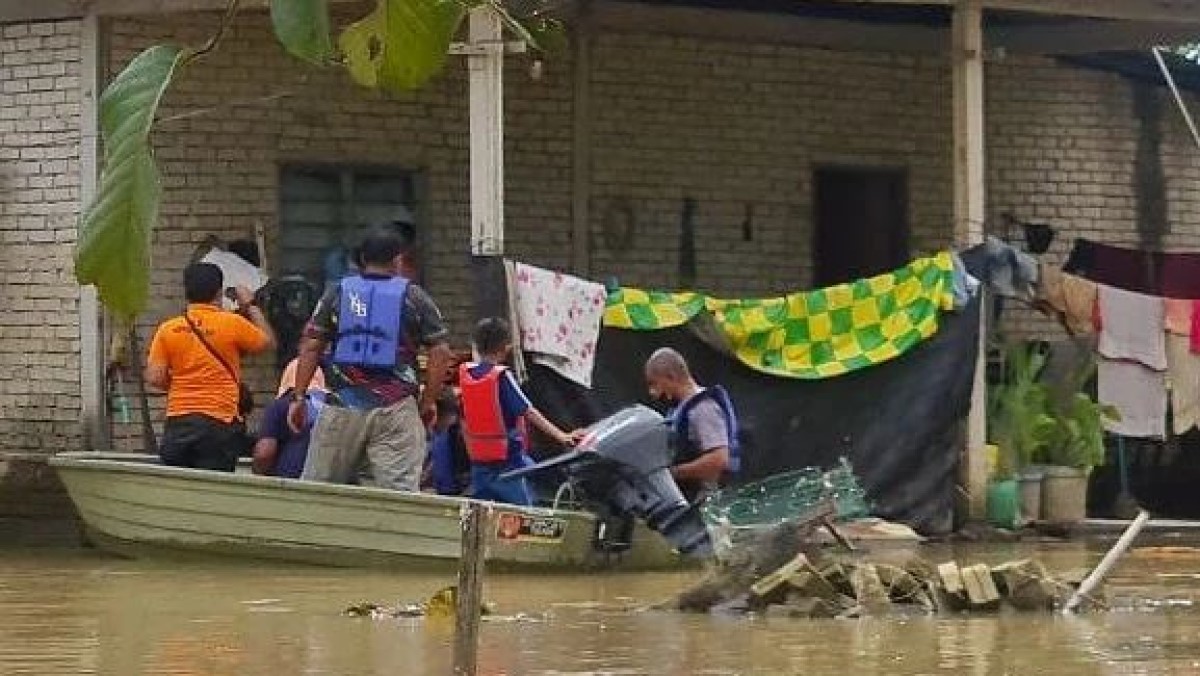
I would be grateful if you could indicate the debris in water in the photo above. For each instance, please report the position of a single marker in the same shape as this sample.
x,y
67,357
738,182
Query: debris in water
x,y
780,573
440,605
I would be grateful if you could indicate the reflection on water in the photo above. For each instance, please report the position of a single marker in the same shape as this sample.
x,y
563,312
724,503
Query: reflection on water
x,y
72,612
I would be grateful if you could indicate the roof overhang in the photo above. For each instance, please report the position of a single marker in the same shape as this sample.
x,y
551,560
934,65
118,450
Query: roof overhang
x,y
1048,27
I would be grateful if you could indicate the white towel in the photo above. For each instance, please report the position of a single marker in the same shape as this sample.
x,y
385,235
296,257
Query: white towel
x,y
237,272
559,316
1132,327
1138,393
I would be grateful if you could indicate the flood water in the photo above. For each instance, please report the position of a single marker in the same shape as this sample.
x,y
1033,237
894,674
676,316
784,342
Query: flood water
x,y
79,612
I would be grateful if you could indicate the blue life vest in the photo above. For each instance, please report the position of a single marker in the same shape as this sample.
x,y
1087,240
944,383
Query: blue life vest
x,y
678,418
370,322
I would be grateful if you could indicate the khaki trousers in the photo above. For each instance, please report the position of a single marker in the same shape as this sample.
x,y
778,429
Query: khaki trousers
x,y
388,442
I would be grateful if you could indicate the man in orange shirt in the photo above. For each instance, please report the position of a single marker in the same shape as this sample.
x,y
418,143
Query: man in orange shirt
x,y
196,358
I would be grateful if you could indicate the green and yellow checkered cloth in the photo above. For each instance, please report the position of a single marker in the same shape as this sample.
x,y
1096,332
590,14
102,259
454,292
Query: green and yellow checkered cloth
x,y
813,334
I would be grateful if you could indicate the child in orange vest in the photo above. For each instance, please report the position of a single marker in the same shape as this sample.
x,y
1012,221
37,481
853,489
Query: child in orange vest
x,y
494,414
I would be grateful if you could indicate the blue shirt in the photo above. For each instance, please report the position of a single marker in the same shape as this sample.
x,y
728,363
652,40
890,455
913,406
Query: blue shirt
x,y
292,448
513,405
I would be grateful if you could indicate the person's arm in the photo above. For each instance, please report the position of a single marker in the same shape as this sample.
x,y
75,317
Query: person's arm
x,y
265,339
317,336
427,329
708,467
265,453
309,358
157,374
548,428
439,358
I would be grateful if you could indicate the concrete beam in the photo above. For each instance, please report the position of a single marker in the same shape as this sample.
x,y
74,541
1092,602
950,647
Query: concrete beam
x,y
1170,11
1089,36
1167,11
762,27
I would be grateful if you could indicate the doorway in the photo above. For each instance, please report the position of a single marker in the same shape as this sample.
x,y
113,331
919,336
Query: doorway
x,y
860,223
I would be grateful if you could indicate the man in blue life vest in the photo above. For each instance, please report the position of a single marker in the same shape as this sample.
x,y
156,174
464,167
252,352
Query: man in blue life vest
x,y
376,322
494,413
703,425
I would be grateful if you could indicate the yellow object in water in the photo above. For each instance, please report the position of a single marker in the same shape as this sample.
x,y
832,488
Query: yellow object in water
x,y
442,603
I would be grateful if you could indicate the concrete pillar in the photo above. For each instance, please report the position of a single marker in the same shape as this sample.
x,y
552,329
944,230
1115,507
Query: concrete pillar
x,y
969,210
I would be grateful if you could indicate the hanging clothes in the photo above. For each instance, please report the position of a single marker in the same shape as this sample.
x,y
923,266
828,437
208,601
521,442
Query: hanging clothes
x,y
1183,373
965,286
1073,298
1154,273
1177,316
1195,335
559,316
1132,327
1139,395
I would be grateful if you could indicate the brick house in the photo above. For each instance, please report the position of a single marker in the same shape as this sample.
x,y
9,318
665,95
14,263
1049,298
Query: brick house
x,y
766,124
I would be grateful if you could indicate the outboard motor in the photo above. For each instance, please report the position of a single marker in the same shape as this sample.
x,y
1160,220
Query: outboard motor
x,y
621,469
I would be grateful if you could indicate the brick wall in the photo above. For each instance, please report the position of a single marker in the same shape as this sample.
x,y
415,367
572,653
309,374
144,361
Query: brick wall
x,y
1063,147
739,127
39,203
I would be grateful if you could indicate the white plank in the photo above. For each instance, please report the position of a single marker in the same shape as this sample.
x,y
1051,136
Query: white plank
x,y
486,82
969,201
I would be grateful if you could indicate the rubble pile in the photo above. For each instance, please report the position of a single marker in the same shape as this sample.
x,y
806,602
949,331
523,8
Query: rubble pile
x,y
785,575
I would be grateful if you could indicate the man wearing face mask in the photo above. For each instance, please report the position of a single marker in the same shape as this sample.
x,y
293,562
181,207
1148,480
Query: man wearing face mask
x,y
703,425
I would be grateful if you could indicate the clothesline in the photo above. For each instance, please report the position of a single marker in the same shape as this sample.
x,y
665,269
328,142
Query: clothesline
x,y
1148,344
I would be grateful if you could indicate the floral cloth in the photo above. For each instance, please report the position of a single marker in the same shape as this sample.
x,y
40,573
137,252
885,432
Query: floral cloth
x,y
559,319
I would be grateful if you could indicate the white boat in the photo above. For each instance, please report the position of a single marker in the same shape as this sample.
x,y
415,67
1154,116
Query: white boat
x,y
132,505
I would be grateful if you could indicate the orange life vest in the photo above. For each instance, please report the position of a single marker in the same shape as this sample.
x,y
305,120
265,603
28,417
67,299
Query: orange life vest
x,y
482,420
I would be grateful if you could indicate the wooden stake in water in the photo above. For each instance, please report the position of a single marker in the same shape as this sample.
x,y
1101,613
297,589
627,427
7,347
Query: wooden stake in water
x,y
469,599
1110,559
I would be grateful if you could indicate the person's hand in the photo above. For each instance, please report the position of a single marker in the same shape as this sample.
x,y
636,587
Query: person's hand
x,y
577,436
297,415
244,297
564,439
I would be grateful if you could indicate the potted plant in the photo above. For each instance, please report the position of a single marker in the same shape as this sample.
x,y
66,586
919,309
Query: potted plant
x,y
1074,445
1020,426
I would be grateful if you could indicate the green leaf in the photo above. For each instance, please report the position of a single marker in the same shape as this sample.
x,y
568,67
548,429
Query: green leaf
x,y
302,27
113,251
402,43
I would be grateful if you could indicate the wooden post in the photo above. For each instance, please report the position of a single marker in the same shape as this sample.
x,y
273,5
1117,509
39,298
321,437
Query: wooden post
x,y
92,346
469,598
969,201
486,81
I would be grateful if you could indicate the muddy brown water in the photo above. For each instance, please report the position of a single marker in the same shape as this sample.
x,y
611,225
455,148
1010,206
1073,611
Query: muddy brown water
x,y
66,611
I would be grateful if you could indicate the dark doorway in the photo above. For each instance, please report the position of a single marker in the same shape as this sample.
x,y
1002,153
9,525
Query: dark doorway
x,y
861,223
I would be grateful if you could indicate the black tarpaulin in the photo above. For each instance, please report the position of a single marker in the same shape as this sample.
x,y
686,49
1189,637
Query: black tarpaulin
x,y
897,422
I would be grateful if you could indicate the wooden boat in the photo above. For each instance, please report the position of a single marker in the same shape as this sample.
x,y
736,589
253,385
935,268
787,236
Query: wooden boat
x,y
131,505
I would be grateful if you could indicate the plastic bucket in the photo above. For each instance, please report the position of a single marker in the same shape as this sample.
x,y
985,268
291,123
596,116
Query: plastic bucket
x,y
1064,494
1003,504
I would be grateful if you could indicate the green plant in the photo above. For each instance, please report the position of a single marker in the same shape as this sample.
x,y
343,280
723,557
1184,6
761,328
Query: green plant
x,y
1077,436
1018,411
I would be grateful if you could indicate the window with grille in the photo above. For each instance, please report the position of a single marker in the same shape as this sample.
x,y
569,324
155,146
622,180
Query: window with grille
x,y
323,208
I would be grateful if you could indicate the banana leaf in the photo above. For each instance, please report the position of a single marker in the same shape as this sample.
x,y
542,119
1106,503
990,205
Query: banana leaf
x,y
113,251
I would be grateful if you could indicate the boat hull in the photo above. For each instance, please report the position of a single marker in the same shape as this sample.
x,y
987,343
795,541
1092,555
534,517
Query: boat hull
x,y
133,506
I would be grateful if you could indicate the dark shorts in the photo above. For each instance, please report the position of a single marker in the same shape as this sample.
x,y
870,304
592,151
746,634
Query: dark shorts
x,y
201,442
